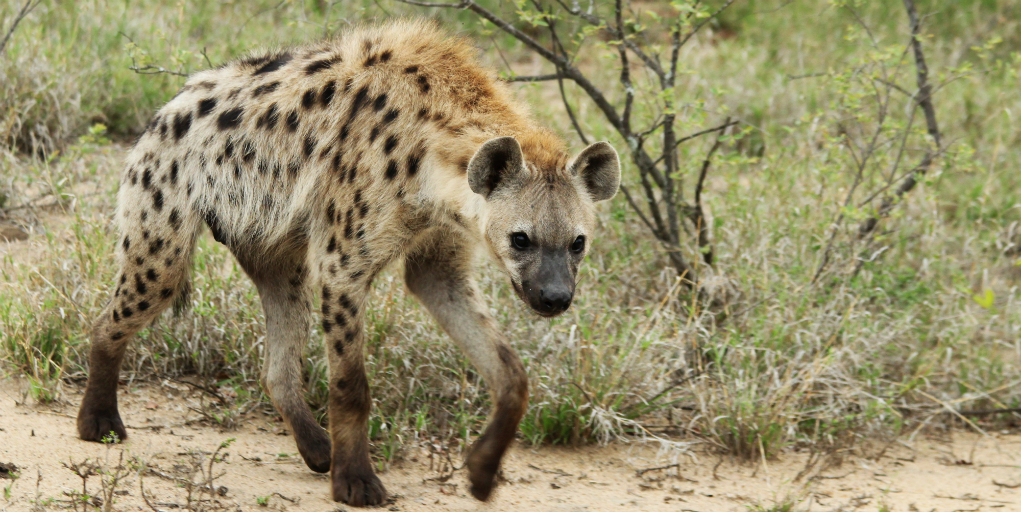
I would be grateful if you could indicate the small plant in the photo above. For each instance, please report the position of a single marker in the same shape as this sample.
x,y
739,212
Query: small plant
x,y
10,472
197,477
112,476
786,504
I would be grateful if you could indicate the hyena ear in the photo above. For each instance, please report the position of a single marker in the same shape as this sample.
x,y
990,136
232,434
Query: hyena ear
x,y
598,167
494,163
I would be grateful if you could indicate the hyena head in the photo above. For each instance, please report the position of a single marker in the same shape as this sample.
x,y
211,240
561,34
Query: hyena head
x,y
539,222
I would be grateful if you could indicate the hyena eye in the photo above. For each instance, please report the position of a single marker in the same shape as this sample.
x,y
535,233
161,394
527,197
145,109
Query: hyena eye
x,y
578,244
520,241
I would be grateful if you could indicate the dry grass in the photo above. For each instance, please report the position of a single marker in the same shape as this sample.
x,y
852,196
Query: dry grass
x,y
780,360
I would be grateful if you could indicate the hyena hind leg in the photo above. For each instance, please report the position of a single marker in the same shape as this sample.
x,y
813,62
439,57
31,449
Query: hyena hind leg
x,y
284,292
154,271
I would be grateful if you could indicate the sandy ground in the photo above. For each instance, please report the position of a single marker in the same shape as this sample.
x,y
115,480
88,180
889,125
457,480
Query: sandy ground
x,y
958,472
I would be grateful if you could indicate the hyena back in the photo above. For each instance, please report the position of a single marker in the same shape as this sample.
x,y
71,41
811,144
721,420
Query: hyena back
x,y
320,165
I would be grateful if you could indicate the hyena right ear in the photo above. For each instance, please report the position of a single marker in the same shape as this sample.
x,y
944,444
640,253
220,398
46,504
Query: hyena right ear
x,y
495,162
598,166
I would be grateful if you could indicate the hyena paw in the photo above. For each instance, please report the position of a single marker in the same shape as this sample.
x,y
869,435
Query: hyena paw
x,y
101,426
358,488
316,451
483,469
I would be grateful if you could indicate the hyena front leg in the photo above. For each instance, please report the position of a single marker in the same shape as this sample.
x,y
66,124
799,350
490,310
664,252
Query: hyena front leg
x,y
438,273
343,293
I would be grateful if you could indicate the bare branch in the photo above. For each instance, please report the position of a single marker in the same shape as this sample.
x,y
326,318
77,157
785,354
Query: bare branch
x,y
624,78
25,10
556,45
924,100
572,115
534,78
896,87
924,89
150,69
258,13
459,5
707,20
636,208
692,136
576,11
697,212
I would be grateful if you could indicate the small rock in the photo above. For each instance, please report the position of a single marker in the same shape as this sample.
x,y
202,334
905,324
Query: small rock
x,y
12,233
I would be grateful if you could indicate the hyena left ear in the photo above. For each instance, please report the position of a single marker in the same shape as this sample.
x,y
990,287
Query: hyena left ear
x,y
598,166
493,164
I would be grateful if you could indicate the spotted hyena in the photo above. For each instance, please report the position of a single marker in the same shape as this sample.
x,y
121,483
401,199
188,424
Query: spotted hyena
x,y
318,166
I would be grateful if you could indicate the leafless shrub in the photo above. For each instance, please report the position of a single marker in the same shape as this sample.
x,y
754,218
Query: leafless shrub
x,y
648,127
198,479
112,477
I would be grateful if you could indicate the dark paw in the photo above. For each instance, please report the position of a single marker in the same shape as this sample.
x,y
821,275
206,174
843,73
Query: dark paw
x,y
358,488
101,426
483,468
316,451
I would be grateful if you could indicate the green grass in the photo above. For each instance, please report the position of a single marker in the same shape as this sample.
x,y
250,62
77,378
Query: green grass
x,y
767,359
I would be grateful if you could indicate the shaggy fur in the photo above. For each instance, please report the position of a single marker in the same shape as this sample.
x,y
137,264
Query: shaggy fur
x,y
320,165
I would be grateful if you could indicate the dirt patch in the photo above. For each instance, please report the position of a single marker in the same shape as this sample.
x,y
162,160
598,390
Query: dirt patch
x,y
962,471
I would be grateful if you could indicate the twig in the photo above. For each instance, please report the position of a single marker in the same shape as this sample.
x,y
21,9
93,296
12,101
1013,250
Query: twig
x,y
697,212
808,75
205,389
558,472
460,5
250,18
640,472
534,78
636,208
559,76
148,69
692,136
705,22
954,411
25,10
206,57
674,385
286,498
923,99
986,412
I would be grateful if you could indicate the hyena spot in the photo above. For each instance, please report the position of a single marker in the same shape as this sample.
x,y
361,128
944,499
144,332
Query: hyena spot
x,y
206,106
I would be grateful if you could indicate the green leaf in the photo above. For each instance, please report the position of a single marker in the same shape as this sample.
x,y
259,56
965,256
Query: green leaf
x,y
986,300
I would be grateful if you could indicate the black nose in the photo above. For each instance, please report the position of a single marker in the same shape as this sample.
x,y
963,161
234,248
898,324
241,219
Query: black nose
x,y
555,300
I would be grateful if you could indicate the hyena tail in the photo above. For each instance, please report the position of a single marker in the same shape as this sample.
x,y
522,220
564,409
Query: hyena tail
x,y
183,297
